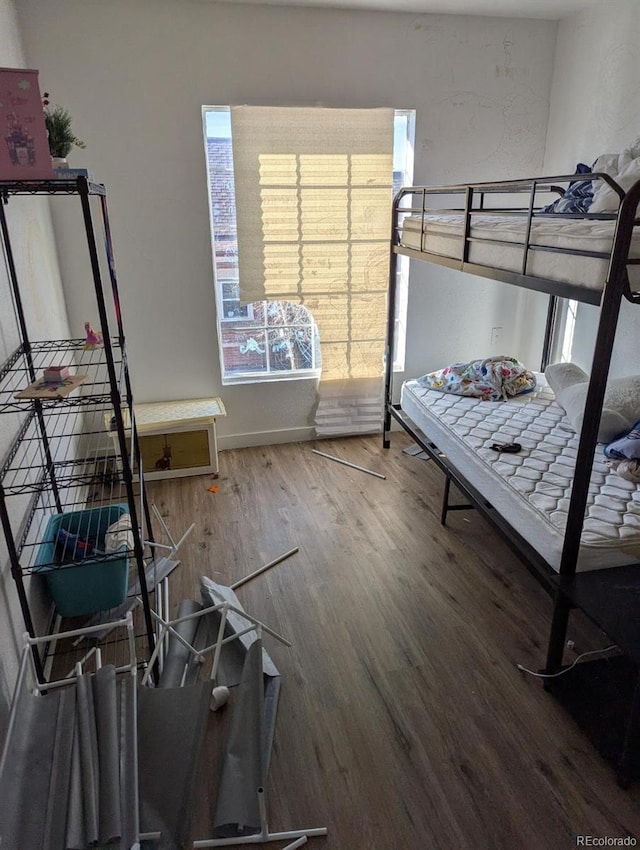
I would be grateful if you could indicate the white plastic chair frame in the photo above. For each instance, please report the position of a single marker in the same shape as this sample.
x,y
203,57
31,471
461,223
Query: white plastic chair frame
x,y
168,628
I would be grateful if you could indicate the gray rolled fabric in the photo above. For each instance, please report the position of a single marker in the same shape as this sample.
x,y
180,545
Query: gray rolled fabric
x,y
171,727
114,764
69,768
233,655
272,686
25,816
60,777
127,726
75,831
243,773
106,712
89,763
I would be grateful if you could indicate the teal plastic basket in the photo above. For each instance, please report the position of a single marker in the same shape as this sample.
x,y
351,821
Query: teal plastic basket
x,y
84,586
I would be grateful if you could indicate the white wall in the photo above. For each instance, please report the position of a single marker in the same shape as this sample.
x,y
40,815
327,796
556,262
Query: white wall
x,y
135,75
595,108
35,256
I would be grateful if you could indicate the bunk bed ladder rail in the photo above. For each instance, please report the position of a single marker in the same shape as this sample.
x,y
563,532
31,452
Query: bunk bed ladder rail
x,y
615,288
466,236
552,309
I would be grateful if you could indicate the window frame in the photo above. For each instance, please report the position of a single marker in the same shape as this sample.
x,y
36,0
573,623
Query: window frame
x,y
404,126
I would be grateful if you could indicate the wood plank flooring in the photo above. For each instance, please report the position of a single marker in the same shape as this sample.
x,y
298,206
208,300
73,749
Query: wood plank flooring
x,y
403,721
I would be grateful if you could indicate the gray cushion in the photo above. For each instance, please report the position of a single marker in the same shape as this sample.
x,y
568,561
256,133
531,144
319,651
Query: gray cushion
x,y
621,407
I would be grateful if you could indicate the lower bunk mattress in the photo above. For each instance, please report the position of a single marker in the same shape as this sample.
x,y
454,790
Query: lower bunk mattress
x,y
531,489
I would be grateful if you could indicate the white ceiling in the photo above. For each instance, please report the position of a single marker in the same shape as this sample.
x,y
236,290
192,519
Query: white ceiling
x,y
546,9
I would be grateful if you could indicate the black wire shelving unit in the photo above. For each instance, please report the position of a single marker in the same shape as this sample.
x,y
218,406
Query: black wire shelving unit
x,y
81,450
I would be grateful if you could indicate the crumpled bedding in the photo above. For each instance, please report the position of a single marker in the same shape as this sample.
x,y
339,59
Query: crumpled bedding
x,y
596,196
624,168
491,379
624,455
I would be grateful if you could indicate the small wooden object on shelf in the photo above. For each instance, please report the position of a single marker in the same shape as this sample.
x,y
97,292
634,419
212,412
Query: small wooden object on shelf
x,y
45,389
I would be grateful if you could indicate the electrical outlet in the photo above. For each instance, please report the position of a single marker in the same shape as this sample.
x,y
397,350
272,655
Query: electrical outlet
x,y
496,336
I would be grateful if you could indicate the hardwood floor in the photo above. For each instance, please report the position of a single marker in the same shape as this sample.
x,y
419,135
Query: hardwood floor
x,y
403,720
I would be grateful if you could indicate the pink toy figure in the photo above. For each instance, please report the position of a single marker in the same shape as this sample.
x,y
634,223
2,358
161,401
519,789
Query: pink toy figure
x,y
94,339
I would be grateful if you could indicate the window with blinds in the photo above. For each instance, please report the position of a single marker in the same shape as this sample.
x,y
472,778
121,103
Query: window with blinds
x,y
300,206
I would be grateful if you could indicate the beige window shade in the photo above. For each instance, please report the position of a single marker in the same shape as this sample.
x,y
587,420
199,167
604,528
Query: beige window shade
x,y
313,197
313,202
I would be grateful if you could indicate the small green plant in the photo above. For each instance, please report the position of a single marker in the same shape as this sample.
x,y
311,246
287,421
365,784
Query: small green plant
x,y
58,123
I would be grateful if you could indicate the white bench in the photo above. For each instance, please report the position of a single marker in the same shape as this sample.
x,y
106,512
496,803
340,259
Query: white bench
x,y
177,438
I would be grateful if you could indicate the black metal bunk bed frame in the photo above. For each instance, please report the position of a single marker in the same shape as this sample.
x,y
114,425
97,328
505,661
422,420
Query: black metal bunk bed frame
x,y
603,695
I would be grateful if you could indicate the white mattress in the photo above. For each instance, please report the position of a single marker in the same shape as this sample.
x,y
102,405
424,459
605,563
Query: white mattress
x,y
531,489
443,236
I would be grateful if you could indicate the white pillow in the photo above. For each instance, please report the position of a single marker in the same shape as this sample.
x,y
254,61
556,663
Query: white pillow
x,y
620,409
609,164
604,198
632,151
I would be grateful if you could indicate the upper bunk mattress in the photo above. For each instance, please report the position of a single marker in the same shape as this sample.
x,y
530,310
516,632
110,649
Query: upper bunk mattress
x,y
531,489
443,236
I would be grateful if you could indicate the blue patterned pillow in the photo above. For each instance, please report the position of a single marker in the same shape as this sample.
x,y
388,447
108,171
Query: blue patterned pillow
x,y
577,196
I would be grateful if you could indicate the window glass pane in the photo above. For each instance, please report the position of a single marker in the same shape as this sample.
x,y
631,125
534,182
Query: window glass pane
x,y
285,313
259,313
244,352
231,309
291,348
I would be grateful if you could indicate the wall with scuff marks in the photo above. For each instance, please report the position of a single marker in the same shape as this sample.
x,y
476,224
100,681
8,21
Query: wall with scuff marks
x,y
595,108
35,256
135,75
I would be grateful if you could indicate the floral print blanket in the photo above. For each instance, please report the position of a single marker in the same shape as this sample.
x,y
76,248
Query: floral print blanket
x,y
491,379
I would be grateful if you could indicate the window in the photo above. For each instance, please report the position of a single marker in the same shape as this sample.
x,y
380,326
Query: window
x,y
232,310
268,340
568,314
403,142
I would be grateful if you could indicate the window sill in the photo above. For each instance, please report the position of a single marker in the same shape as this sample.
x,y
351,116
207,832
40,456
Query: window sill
x,y
234,380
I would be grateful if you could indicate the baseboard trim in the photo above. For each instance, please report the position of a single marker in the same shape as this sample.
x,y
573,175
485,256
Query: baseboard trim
x,y
265,438
281,435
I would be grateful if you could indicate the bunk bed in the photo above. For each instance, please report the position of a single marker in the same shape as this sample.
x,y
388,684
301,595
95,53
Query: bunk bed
x,y
574,523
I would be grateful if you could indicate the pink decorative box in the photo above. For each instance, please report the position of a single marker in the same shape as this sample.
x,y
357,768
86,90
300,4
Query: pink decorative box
x,y
24,144
55,374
